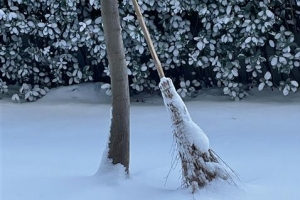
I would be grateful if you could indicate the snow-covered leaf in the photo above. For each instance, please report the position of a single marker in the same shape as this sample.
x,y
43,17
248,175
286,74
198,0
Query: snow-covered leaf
x,y
286,91
200,45
282,60
228,9
176,52
267,75
91,2
254,74
143,68
234,71
269,14
269,83
108,92
277,36
248,39
182,84
141,49
226,90
27,95
25,86
98,20
15,97
188,83
129,71
137,87
105,86
295,83
171,48
35,69
47,80
14,8
294,89
81,28
88,22
42,92
255,40
76,80
261,86
196,83
274,61
271,43
30,23
233,93
35,93
183,94
70,81
41,24
79,74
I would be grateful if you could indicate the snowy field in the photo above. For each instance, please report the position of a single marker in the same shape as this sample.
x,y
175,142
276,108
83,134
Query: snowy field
x,y
51,149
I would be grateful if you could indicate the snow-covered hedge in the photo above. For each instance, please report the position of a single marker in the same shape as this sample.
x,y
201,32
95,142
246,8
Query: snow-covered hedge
x,y
48,43
236,45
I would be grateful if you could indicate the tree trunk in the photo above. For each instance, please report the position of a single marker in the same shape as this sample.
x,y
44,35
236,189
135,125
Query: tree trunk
x,y
118,146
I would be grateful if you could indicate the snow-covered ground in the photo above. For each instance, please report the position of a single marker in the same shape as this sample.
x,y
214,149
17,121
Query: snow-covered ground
x,y
51,149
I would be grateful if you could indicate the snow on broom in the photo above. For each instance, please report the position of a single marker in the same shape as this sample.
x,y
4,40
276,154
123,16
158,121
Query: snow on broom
x,y
200,165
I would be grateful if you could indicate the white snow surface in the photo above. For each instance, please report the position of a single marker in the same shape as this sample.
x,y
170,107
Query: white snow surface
x,y
51,150
81,93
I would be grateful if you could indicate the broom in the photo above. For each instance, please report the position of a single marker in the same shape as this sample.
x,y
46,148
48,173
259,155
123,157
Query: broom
x,y
200,165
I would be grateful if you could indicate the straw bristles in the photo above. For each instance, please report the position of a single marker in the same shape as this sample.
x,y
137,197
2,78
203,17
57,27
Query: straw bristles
x,y
200,165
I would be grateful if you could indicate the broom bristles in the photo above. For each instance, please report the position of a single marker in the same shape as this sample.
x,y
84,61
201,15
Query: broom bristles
x,y
200,165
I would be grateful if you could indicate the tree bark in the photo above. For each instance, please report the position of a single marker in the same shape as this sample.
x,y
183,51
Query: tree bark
x,y
119,138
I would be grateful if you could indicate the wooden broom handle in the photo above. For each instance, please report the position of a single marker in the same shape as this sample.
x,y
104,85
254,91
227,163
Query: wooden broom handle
x,y
148,39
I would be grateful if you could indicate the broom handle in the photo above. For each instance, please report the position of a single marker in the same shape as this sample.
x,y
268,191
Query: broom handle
x,y
148,39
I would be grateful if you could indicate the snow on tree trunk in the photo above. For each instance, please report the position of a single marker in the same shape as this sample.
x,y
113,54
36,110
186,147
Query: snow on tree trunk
x,y
200,165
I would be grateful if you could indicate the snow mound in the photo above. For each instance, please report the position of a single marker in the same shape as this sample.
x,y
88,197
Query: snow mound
x,y
84,93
